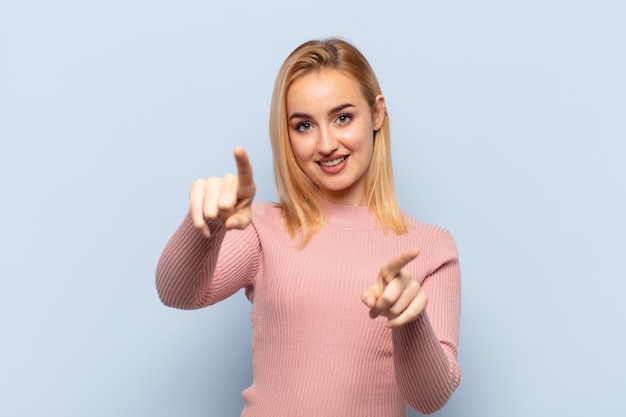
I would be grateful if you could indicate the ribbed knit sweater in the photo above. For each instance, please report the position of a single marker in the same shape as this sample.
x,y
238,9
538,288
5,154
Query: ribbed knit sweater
x,y
316,351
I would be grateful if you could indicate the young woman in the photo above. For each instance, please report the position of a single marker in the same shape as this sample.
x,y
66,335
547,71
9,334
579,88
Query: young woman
x,y
356,305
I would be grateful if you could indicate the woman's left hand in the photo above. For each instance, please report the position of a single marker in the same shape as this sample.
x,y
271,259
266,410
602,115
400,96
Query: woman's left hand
x,y
395,294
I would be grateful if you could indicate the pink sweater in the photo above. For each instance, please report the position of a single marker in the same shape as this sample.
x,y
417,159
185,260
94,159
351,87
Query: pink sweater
x,y
316,352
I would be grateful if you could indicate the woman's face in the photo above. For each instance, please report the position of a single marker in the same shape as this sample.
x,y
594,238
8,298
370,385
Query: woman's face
x,y
331,131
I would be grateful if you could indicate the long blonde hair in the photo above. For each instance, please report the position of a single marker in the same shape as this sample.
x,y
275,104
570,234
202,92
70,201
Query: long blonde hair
x,y
297,194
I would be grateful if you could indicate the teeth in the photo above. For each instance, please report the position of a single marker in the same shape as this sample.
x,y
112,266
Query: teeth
x,y
333,162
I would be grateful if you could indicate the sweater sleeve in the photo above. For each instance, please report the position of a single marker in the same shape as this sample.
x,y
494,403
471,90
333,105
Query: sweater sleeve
x,y
425,350
194,272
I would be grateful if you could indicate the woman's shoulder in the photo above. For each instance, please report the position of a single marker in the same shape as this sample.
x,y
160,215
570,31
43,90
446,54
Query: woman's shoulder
x,y
266,212
435,242
424,229
265,208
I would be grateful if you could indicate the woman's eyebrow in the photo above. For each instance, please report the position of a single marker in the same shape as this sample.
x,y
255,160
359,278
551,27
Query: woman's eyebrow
x,y
299,116
334,110
340,107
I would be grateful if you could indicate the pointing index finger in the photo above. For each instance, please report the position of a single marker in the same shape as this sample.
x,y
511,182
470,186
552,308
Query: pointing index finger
x,y
393,267
244,168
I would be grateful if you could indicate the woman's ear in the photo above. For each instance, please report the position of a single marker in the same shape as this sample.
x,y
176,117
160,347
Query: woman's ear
x,y
379,112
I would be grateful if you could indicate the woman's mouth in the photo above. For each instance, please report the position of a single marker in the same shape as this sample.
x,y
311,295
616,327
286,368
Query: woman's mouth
x,y
332,162
333,166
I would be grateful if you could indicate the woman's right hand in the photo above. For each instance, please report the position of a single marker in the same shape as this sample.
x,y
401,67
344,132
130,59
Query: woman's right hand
x,y
228,199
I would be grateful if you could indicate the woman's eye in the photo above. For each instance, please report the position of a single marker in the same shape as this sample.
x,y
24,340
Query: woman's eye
x,y
344,118
303,127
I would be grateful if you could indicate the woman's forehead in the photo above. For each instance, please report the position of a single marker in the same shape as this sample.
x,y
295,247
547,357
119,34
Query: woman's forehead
x,y
328,86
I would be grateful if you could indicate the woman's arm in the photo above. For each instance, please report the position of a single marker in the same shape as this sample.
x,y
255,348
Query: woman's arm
x,y
201,250
195,271
425,350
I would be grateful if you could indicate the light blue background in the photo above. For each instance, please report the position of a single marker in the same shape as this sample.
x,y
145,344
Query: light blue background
x,y
508,121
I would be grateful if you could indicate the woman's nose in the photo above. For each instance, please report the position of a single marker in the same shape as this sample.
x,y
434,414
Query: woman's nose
x,y
326,143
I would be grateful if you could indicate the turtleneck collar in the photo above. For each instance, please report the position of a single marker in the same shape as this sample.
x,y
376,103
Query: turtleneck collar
x,y
348,217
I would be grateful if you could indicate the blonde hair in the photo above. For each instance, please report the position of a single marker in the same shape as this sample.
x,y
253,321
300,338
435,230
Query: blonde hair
x,y
297,193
